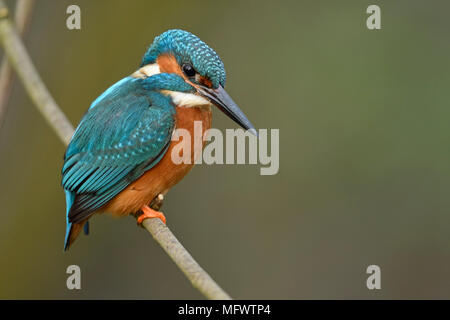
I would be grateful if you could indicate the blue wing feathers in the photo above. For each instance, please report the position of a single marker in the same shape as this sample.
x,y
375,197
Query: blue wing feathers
x,y
70,197
86,228
125,132
88,203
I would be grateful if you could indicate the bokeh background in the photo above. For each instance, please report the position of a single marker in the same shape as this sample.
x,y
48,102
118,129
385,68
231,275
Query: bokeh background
x,y
364,154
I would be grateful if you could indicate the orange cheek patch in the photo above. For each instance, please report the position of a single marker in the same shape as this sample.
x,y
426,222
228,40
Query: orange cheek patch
x,y
168,64
206,82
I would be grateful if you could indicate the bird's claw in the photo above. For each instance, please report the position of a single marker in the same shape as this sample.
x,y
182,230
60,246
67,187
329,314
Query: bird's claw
x,y
148,212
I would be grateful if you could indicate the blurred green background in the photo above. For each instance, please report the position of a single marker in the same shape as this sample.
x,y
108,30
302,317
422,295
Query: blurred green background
x,y
364,154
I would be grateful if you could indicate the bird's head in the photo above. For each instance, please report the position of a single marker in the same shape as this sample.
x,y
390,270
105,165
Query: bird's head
x,y
195,74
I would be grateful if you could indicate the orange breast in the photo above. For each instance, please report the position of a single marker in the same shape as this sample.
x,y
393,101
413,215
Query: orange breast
x,y
166,173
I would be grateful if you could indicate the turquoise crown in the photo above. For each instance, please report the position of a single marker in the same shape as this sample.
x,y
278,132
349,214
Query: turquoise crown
x,y
188,48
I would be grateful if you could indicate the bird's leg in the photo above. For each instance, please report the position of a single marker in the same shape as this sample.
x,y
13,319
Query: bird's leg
x,y
157,203
152,210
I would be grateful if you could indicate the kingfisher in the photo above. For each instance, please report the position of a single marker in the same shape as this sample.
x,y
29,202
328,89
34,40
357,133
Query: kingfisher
x,y
119,158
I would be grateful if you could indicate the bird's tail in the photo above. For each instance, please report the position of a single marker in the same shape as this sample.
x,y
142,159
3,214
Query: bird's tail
x,y
72,232
73,229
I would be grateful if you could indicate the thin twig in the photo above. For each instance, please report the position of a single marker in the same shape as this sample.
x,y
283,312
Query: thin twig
x,y
199,278
21,63
22,17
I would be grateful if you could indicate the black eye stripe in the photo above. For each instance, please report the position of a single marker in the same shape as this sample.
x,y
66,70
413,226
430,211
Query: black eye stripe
x,y
188,70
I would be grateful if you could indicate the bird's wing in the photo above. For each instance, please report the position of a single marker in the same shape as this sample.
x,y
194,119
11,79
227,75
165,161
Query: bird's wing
x,y
123,134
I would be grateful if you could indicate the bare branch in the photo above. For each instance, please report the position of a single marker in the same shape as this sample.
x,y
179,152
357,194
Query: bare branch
x,y
20,61
22,17
198,277
22,64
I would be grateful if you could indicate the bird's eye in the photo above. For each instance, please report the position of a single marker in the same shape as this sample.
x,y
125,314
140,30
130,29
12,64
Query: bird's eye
x,y
188,70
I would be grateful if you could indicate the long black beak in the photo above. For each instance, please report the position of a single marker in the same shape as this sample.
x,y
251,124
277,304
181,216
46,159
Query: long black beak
x,y
220,98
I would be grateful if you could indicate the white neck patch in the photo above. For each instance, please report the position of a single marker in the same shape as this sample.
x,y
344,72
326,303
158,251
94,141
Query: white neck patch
x,y
147,71
187,100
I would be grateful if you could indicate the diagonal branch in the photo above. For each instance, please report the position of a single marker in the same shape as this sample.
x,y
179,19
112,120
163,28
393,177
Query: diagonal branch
x,y
20,61
22,17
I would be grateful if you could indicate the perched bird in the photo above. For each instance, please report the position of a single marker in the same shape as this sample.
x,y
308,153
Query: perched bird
x,y
119,158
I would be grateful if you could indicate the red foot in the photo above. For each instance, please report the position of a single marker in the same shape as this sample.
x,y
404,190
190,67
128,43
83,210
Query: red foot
x,y
148,212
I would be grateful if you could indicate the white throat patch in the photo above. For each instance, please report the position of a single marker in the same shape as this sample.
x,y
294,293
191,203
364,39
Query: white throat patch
x,y
187,100
147,71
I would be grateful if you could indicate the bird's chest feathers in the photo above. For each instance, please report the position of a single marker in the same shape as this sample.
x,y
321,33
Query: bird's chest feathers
x,y
166,173
191,124
186,145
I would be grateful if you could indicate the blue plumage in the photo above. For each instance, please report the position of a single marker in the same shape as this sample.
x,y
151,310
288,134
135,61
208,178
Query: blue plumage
x,y
127,129
188,48
70,196
125,132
